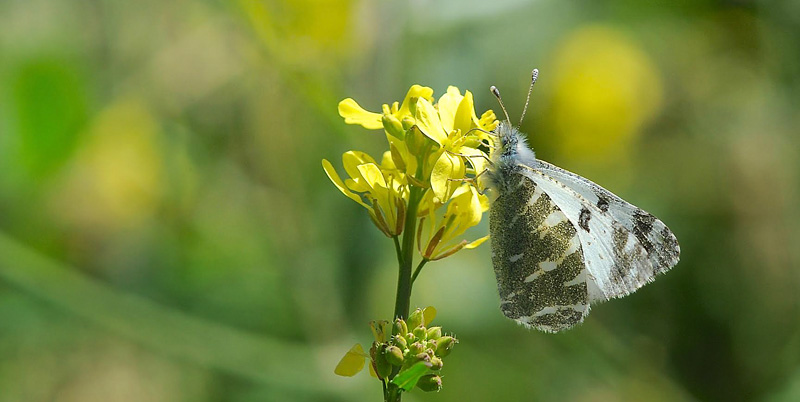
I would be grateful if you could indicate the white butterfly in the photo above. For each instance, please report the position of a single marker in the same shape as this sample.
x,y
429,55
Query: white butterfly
x,y
561,242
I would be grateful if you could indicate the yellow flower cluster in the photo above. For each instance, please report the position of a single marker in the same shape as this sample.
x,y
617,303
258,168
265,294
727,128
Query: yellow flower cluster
x,y
435,148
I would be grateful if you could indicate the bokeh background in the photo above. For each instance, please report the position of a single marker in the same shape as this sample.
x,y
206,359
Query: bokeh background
x,y
167,232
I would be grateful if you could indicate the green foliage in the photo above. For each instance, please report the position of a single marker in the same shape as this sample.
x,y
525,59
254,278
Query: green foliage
x,y
407,379
49,96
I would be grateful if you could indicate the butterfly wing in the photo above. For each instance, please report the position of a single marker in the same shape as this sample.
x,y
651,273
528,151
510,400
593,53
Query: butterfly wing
x,y
624,246
537,257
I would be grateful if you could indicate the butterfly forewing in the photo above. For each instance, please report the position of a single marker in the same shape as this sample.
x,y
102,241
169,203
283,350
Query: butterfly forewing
x,y
537,257
656,238
624,248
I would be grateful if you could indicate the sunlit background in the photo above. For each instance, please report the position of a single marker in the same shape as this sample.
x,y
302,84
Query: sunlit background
x,y
167,232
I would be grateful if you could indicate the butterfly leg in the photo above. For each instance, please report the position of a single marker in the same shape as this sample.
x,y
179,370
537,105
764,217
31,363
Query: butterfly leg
x,y
472,156
473,180
469,157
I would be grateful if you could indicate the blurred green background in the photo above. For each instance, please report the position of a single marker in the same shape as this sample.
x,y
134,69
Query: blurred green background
x,y
167,232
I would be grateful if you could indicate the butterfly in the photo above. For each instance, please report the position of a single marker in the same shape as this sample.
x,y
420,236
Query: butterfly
x,y
561,242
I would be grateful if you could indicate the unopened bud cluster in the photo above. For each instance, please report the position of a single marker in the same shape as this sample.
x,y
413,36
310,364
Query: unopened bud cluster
x,y
410,343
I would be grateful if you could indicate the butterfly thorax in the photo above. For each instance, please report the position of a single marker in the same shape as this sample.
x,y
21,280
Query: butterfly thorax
x,y
510,150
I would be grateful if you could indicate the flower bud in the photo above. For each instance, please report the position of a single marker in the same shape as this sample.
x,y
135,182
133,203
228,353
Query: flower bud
x,y
434,333
412,105
416,348
422,357
383,367
430,382
399,327
394,355
431,343
408,122
393,126
436,363
420,333
415,141
445,345
400,342
397,157
415,319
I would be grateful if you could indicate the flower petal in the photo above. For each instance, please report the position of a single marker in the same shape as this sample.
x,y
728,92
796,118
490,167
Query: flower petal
x,y
474,210
387,160
337,181
446,167
476,243
428,121
488,120
372,175
477,158
355,114
448,107
464,117
429,313
467,210
351,160
416,91
352,362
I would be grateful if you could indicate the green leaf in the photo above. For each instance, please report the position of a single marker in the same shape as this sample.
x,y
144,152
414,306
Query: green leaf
x,y
408,378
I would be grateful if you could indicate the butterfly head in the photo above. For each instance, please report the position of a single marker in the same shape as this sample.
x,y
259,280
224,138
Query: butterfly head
x,y
512,146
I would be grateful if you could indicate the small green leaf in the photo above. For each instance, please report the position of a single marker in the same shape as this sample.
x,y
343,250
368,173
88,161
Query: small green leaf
x,y
408,378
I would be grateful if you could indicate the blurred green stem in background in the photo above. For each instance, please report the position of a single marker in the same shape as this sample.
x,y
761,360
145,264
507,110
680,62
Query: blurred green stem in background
x,y
160,329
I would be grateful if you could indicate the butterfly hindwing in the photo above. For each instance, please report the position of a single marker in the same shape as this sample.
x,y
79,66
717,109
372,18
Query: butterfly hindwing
x,y
624,247
537,257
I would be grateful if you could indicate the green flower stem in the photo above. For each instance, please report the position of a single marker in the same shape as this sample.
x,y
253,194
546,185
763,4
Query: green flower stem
x,y
403,301
398,250
419,268
405,257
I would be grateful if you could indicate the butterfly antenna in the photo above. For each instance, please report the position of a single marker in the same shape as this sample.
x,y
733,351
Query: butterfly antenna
x,y
534,76
496,94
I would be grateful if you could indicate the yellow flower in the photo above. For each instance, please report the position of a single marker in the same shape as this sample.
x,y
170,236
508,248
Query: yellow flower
x,y
457,118
355,114
381,189
435,146
464,210
436,152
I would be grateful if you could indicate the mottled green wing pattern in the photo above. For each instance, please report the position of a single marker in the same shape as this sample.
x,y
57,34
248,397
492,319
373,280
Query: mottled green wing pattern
x,y
537,258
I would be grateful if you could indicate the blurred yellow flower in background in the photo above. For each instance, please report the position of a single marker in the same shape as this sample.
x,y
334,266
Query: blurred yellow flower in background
x,y
115,181
606,89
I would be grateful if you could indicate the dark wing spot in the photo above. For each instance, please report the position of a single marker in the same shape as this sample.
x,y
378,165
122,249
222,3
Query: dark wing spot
x,y
670,252
583,219
642,226
602,202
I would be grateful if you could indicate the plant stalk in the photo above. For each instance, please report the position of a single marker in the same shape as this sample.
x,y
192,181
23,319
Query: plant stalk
x,y
406,259
403,300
